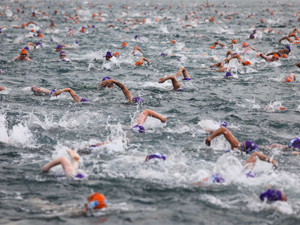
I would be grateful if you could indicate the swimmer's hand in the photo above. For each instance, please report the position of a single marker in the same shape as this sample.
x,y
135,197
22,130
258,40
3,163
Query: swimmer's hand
x,y
275,164
207,141
107,82
226,61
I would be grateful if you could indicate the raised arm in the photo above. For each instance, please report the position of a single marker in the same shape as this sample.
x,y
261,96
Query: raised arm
x,y
250,163
30,22
72,93
272,53
183,71
140,120
126,92
30,44
264,57
237,56
227,134
143,58
216,65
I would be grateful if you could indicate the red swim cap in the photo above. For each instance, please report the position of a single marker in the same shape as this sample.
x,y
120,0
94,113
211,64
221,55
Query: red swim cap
x,y
247,63
102,202
174,42
23,51
138,63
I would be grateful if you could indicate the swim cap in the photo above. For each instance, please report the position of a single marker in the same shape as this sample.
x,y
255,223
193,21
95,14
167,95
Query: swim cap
x,y
245,45
228,74
294,143
94,15
52,21
234,41
217,178
108,54
163,54
58,46
79,175
138,63
211,47
32,30
62,52
223,124
174,42
187,78
156,156
23,51
116,54
136,37
26,48
39,31
93,26
106,78
288,47
250,146
137,100
284,56
84,100
38,43
251,36
254,31
271,195
275,56
76,42
124,44
96,201
23,24
247,63
139,129
250,174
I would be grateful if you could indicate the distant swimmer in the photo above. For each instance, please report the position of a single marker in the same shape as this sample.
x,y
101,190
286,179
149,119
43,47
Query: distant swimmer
x,y
70,168
290,40
25,25
82,30
233,42
222,67
23,56
249,147
52,24
176,85
62,55
43,91
275,57
136,48
141,119
188,25
140,62
37,44
70,33
238,57
155,156
290,78
59,48
125,91
280,52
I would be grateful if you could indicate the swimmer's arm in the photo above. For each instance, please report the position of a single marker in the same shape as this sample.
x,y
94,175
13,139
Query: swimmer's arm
x,y
3,27
30,22
238,57
143,58
111,26
264,57
28,44
100,144
223,45
271,53
297,64
221,69
2,88
15,58
89,26
209,131
126,92
253,48
16,27
277,146
72,93
215,65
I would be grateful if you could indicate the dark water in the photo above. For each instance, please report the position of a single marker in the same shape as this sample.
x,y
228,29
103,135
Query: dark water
x,y
35,129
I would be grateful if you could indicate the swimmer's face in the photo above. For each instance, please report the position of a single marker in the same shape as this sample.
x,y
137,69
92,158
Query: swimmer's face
x,y
107,58
275,58
23,55
58,50
62,56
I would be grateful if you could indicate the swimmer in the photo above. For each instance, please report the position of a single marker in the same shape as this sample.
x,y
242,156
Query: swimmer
x,y
155,156
52,24
126,92
280,52
82,30
34,45
2,28
75,97
55,12
109,26
290,40
124,45
188,25
23,56
71,17
135,48
70,168
275,57
141,119
215,44
294,144
25,25
247,146
96,201
272,195
59,47
39,34
71,33
33,14
140,62
175,83
238,57
222,67
293,32
62,55
247,47
91,26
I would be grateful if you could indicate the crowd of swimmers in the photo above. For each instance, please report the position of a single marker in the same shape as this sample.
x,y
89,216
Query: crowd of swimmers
x,y
70,167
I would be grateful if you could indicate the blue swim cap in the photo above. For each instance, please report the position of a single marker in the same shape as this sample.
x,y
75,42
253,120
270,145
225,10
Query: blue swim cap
x,y
228,74
223,124
294,143
38,43
139,129
70,29
62,52
156,156
252,36
106,78
84,100
217,178
63,60
136,37
76,42
137,100
271,195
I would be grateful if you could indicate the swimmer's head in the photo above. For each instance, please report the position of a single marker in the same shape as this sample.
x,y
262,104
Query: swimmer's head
x,y
136,37
58,48
254,31
246,63
52,21
284,56
234,41
124,44
26,48
223,124
139,63
217,178
108,55
174,42
245,45
288,47
294,143
116,54
33,13
96,201
275,57
138,129
39,31
163,54
32,30
252,36
82,29
155,156
108,85
137,100
250,146
228,75
93,26
62,54
38,44
106,78
273,195
23,25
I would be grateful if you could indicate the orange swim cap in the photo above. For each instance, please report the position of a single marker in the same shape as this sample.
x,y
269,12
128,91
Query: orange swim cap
x,y
23,51
198,17
229,17
156,19
225,59
275,56
119,20
245,44
284,56
288,79
94,15
272,13
249,16
247,63
138,63
292,33
23,24
116,54
279,32
234,41
262,20
281,108
211,47
200,8
296,42
174,42
234,13
267,9
263,29
124,44
102,202
32,30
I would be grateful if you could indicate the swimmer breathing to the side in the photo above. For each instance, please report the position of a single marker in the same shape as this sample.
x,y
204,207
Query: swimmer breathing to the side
x,y
238,57
175,83
222,67
25,25
275,57
290,40
141,119
280,52
140,62
135,48
247,146
290,78
23,56
52,24
125,91
70,168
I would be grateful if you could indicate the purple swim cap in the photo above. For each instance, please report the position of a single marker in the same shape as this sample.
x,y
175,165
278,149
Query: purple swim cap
x,y
58,46
79,175
93,26
163,54
70,29
290,20
187,78
250,147
137,100
106,78
108,54
271,195
22,11
294,143
223,124
136,37
62,52
52,21
228,74
156,156
26,48
252,36
38,43
76,42
254,31
84,100
250,174
217,178
51,39
139,129
63,60
288,47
